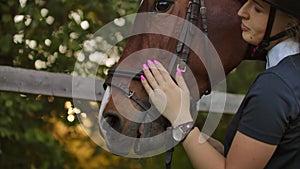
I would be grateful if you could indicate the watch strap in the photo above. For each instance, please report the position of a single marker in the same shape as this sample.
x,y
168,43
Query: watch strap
x,y
187,127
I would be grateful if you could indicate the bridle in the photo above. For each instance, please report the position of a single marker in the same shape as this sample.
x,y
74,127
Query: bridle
x,y
195,9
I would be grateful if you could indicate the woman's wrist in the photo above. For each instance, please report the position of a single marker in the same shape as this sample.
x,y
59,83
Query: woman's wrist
x,y
182,118
193,131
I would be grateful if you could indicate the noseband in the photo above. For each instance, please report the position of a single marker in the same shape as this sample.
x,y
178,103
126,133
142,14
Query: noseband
x,y
195,9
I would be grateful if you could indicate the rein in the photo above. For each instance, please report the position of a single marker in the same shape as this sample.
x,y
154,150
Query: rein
x,y
195,8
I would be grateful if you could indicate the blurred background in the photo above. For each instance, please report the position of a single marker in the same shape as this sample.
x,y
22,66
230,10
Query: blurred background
x,y
43,132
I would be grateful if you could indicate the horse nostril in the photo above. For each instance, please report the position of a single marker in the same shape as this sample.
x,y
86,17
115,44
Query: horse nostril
x,y
113,121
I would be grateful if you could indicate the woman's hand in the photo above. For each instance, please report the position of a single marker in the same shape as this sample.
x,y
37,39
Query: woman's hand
x,y
172,100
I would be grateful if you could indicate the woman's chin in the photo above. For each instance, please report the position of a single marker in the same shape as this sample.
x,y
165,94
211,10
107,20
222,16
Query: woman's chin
x,y
249,38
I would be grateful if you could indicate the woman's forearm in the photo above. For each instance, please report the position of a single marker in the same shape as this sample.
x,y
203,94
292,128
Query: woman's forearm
x,y
215,143
201,153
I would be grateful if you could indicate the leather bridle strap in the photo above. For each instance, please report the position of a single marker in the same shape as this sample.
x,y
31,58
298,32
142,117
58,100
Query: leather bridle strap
x,y
125,73
187,32
186,35
195,7
182,51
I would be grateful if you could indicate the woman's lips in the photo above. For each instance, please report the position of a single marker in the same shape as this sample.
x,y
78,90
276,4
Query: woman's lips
x,y
244,27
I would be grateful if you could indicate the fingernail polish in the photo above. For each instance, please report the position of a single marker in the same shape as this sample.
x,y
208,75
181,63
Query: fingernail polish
x,y
179,72
145,67
149,62
156,62
143,78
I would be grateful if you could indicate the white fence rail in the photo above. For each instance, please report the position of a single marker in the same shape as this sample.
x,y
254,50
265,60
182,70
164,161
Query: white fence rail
x,y
220,102
62,85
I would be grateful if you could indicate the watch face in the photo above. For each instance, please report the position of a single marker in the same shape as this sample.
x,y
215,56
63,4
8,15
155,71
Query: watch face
x,y
177,134
180,132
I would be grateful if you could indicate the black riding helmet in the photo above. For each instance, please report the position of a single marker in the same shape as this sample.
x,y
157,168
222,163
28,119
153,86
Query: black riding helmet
x,y
291,7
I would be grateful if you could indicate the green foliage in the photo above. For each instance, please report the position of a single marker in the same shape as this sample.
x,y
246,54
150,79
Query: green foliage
x,y
45,35
25,141
240,79
51,32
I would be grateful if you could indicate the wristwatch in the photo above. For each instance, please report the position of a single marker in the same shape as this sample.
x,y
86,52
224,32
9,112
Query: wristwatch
x,y
180,132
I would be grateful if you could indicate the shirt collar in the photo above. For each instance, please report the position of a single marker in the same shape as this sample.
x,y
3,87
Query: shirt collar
x,y
282,50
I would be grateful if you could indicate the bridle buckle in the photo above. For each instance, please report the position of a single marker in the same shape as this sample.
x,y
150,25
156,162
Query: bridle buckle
x,y
130,94
183,70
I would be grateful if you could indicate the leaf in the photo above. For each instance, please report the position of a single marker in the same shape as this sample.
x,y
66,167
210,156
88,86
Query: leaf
x,y
6,18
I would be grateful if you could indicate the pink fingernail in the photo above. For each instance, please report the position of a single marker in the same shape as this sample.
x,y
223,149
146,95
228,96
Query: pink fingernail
x,y
149,62
179,72
143,78
145,67
156,62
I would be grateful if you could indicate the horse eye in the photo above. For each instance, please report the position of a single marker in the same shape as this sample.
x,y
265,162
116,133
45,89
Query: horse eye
x,y
163,6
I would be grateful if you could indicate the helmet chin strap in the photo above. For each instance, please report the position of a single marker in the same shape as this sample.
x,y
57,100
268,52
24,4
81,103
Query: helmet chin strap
x,y
260,51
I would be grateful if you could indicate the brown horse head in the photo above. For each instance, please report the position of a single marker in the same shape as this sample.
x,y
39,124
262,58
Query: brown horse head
x,y
159,28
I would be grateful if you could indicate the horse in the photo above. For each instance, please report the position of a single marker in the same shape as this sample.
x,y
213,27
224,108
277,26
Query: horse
x,y
122,118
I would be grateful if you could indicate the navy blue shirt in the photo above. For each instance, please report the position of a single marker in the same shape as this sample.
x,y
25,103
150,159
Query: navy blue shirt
x,y
270,112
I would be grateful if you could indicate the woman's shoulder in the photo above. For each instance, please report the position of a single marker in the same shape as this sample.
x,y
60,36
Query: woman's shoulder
x,y
282,81
287,69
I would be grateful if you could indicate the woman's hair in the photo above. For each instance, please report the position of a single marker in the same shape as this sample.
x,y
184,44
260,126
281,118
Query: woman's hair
x,y
295,33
